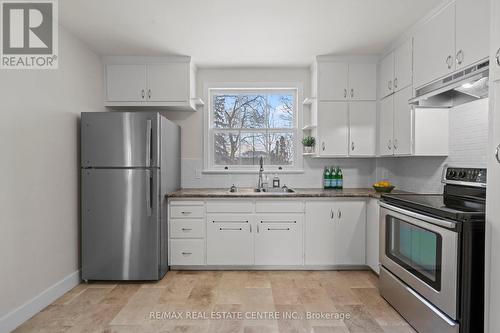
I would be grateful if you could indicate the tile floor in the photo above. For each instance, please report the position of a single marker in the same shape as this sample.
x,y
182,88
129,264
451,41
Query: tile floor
x,y
282,299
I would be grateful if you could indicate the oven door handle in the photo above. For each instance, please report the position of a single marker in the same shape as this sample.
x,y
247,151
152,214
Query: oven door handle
x,y
425,218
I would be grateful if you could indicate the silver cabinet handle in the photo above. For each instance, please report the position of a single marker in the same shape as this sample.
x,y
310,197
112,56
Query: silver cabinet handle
x,y
395,144
345,93
258,229
339,214
186,229
460,57
149,93
142,93
352,146
352,93
149,142
395,82
323,146
187,253
497,154
250,228
497,56
149,189
331,214
389,84
186,213
278,229
389,144
230,229
449,61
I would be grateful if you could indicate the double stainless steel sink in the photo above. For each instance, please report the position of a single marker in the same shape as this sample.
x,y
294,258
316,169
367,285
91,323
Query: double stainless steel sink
x,y
272,190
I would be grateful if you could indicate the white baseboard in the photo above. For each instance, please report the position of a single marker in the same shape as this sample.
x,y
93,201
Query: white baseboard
x,y
18,316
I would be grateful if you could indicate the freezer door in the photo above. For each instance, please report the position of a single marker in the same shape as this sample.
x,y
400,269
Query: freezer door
x,y
119,139
120,224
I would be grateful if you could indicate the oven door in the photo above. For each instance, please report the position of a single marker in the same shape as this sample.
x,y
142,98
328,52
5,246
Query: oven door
x,y
422,251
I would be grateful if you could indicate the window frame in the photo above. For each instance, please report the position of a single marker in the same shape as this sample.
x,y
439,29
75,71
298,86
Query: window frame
x,y
210,90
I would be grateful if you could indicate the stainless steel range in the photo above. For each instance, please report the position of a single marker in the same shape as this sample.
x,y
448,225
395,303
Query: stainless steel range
x,y
432,254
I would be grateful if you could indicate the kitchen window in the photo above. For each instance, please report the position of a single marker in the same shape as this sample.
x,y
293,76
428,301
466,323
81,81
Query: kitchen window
x,y
247,124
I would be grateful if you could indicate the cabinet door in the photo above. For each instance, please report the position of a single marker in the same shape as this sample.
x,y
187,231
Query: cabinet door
x,y
472,31
372,234
403,65
363,82
332,81
362,128
168,82
495,41
386,75
349,233
402,122
229,240
278,240
125,83
332,128
386,123
434,48
319,233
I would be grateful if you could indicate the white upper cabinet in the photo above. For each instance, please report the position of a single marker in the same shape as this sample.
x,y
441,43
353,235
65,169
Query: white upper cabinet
x,y
333,128
141,82
403,66
434,48
362,82
453,39
472,31
396,69
126,83
495,41
332,81
363,128
402,122
168,82
386,76
386,126
342,81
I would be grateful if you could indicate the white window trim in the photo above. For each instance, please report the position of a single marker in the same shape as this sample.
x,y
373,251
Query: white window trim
x,y
209,168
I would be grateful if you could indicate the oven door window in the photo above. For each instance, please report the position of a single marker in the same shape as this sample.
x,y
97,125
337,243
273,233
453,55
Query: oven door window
x,y
416,249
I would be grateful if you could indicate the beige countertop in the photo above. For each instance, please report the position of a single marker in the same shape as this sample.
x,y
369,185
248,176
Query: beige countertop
x,y
299,193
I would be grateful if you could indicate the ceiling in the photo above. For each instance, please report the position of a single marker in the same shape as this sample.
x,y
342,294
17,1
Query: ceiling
x,y
241,32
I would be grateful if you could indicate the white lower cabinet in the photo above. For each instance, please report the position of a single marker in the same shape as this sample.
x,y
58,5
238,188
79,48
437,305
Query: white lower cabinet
x,y
187,252
278,240
372,234
335,232
230,239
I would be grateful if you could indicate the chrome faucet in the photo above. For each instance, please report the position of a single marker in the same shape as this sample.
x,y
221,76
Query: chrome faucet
x,y
261,170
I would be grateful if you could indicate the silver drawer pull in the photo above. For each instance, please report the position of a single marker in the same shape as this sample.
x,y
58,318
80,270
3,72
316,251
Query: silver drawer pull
x,y
186,229
187,253
186,213
278,229
278,221
230,229
497,56
497,154
215,221
340,214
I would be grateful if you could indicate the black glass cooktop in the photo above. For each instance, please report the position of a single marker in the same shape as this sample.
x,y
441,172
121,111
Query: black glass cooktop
x,y
460,209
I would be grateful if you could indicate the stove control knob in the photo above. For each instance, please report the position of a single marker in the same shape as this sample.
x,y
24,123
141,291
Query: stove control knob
x,y
452,174
462,174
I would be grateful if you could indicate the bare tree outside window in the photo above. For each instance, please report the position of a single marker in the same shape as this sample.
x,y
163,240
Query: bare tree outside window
x,y
250,125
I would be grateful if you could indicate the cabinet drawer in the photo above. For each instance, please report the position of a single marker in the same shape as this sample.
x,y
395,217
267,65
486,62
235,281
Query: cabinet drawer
x,y
186,211
187,252
225,206
279,207
187,228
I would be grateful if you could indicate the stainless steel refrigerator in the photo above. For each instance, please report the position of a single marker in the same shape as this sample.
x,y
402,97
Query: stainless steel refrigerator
x,y
129,160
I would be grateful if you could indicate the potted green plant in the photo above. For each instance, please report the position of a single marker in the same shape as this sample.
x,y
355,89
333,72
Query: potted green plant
x,y
308,142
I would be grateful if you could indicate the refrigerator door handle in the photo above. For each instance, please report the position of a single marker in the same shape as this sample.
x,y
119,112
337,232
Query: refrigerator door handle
x,y
149,134
149,194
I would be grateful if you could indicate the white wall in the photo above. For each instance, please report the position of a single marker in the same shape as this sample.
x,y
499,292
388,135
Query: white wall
x,y
468,146
357,172
39,216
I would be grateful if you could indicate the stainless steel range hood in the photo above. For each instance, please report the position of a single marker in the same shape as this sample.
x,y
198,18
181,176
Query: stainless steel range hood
x,y
460,87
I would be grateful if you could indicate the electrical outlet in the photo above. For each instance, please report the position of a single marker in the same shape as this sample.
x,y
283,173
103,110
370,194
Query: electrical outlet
x,y
197,173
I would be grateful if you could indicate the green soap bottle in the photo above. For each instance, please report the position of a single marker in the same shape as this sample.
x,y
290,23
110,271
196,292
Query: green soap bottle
x,y
334,178
340,178
326,178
